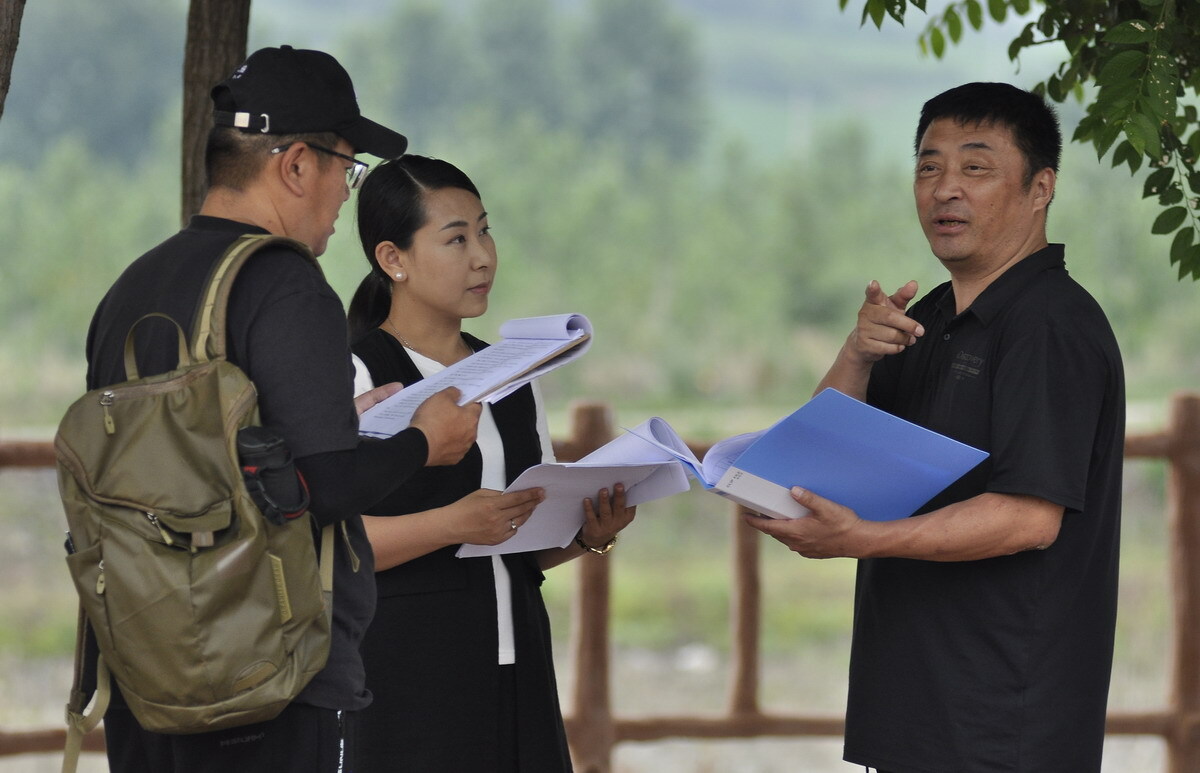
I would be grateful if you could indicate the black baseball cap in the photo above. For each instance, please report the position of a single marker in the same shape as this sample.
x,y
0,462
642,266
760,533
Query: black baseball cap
x,y
289,90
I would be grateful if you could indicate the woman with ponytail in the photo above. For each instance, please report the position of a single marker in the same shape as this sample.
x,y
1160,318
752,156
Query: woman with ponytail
x,y
458,657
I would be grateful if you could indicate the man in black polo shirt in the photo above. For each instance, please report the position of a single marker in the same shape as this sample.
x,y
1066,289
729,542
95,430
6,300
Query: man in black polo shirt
x,y
280,160
983,625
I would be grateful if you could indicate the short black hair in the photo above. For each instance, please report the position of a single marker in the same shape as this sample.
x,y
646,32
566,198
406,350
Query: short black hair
x,y
232,158
1031,120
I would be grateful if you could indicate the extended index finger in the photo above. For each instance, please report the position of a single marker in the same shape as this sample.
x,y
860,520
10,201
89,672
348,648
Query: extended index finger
x,y
878,323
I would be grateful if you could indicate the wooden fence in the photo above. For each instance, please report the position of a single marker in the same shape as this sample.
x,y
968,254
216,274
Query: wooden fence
x,y
593,729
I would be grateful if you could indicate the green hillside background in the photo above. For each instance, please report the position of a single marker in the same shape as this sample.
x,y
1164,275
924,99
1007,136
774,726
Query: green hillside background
x,y
696,176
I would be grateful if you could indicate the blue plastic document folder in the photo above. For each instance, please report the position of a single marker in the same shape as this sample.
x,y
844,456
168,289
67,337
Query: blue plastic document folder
x,y
880,466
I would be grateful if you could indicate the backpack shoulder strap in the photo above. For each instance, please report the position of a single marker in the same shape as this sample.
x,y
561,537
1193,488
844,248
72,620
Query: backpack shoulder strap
x,y
209,326
88,664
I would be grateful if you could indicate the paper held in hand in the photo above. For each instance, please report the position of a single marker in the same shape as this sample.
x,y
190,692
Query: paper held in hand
x,y
880,466
646,473
528,347
877,464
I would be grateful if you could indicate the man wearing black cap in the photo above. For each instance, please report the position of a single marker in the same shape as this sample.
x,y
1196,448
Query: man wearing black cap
x,y
280,160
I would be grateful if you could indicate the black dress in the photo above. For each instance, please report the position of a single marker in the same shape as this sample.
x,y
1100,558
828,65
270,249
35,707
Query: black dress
x,y
431,651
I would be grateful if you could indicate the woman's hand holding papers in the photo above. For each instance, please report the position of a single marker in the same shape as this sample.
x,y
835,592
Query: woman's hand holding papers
x,y
488,517
606,517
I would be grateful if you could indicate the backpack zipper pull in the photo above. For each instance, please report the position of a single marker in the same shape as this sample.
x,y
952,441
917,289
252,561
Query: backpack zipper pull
x,y
106,399
161,530
100,579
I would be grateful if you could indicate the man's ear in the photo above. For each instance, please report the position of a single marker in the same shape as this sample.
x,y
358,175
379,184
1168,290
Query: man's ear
x,y
293,166
1043,187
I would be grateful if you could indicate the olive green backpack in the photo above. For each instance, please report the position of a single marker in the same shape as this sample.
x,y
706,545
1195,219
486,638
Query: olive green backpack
x,y
207,614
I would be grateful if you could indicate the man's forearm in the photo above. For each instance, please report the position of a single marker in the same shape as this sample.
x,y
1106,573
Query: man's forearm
x,y
985,526
848,374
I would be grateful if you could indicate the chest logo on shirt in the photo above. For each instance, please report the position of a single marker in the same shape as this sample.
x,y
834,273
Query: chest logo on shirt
x,y
966,365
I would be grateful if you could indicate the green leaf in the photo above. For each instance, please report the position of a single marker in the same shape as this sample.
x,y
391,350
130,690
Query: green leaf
x,y
954,25
1054,88
1142,132
1047,27
1190,264
1193,181
998,9
1130,32
1157,181
1023,40
1074,42
1162,85
937,42
1086,127
1115,101
1021,6
975,14
877,9
1180,245
1170,219
1125,154
1117,70
1014,49
1172,195
1109,133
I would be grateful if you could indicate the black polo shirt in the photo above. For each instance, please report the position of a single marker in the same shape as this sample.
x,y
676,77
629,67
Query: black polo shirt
x,y
1001,664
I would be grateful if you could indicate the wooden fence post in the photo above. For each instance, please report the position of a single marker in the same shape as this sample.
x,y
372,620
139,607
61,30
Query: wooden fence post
x,y
746,614
590,724
1183,520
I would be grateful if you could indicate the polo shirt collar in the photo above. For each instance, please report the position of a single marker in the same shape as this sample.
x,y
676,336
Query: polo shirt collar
x,y
1005,288
210,223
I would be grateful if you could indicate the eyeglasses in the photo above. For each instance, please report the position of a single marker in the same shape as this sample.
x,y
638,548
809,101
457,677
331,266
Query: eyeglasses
x,y
355,174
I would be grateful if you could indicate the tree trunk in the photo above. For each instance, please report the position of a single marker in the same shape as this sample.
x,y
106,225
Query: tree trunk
x,y
216,44
10,32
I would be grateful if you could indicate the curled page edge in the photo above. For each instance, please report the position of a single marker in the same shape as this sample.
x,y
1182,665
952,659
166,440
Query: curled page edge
x,y
556,326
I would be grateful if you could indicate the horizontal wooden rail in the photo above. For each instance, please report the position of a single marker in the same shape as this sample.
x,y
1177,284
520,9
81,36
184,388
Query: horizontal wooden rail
x,y
45,741
594,730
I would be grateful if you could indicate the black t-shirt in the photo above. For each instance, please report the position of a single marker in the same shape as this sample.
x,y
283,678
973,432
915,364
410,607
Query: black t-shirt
x,y
1001,664
287,331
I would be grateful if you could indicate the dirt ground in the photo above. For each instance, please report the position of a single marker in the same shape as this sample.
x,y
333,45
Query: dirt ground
x,y
650,682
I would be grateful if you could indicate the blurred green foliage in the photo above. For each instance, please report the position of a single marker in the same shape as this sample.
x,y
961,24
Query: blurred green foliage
x,y
1140,56
715,277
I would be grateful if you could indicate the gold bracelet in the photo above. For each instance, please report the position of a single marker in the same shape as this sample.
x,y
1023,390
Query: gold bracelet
x,y
607,546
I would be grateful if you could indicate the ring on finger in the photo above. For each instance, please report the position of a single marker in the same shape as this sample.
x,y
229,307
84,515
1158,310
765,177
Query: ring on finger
x,y
512,524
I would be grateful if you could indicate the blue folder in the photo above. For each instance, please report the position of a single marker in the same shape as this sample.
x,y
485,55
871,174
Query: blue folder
x,y
880,466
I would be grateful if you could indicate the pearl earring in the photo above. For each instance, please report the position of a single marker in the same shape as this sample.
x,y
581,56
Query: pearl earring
x,y
399,275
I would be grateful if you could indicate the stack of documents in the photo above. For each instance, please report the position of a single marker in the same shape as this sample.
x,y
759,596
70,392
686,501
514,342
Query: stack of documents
x,y
878,465
527,348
